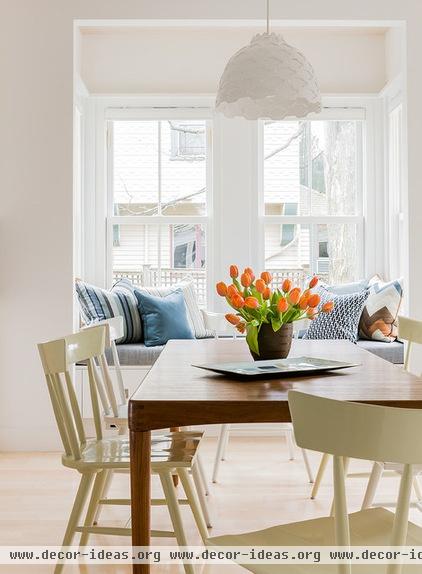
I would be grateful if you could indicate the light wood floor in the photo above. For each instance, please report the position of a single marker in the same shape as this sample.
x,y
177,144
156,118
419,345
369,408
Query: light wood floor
x,y
258,487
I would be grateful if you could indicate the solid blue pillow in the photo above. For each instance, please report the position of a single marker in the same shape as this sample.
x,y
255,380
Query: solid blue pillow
x,y
163,318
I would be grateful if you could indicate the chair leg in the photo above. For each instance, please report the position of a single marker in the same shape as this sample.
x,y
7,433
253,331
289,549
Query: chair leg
x,y
226,442
103,494
371,488
307,465
194,501
346,462
202,474
97,491
417,488
224,431
75,515
174,511
290,444
320,474
200,493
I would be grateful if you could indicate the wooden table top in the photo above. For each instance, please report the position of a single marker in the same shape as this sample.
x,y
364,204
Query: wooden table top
x,y
176,393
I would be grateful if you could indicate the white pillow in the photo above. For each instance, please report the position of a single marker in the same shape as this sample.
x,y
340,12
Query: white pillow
x,y
195,317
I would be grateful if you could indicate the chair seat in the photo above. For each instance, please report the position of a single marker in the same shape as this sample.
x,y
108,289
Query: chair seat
x,y
176,449
372,527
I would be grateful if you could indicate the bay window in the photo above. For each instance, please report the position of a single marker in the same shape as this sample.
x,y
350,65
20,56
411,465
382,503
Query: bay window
x,y
188,194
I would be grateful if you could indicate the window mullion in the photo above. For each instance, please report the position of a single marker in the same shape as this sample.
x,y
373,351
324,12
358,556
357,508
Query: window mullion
x,y
159,175
309,161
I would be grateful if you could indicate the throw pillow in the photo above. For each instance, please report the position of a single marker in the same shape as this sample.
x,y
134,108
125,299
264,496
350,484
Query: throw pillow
x,y
195,317
164,318
379,316
343,321
97,304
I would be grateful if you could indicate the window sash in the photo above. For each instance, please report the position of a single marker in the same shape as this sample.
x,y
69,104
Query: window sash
x,y
160,220
328,113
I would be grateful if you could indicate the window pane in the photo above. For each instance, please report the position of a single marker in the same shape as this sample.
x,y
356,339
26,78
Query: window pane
x,y
285,167
313,164
135,167
183,167
137,248
337,253
334,167
159,164
160,255
327,250
287,260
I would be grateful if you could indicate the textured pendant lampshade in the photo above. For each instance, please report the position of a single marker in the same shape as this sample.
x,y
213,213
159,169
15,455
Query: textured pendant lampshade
x,y
268,79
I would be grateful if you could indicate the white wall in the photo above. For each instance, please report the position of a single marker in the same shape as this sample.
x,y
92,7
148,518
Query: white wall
x,y
393,53
191,61
36,59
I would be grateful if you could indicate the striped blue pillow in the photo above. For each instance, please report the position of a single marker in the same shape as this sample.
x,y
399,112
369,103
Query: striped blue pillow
x,y
97,304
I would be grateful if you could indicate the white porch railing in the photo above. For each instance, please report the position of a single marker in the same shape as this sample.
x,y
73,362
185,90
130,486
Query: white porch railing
x,y
165,277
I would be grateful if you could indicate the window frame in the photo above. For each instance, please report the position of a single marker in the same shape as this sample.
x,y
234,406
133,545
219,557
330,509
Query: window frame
x,y
234,225
156,114
334,108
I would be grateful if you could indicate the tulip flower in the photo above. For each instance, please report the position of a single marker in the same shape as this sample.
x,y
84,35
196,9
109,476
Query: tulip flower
x,y
282,305
294,296
234,271
314,300
251,302
250,272
233,319
246,279
267,277
267,293
221,289
311,314
313,282
260,285
232,291
237,301
327,307
286,286
241,327
304,301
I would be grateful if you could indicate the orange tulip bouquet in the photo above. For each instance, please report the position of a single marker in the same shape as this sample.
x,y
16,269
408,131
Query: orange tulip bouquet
x,y
266,314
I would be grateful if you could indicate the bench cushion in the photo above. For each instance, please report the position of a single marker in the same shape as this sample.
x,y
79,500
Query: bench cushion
x,y
392,352
138,354
135,354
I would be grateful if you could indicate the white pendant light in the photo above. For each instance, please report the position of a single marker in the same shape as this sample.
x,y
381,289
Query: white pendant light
x,y
268,79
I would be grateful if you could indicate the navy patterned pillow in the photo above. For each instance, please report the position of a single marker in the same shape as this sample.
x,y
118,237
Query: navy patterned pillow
x,y
343,321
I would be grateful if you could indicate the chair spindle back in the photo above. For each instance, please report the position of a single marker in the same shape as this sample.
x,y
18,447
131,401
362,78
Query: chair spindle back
x,y
58,357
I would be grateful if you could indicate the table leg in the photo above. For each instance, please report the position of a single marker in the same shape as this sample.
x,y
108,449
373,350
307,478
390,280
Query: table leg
x,y
140,483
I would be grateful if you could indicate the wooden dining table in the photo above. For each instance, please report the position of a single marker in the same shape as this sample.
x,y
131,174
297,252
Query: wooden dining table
x,y
175,393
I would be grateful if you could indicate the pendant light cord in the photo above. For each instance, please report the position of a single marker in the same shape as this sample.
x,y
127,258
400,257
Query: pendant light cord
x,y
268,16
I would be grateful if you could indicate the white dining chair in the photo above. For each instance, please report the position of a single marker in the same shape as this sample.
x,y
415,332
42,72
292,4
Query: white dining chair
x,y
217,324
95,458
346,430
115,405
410,330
